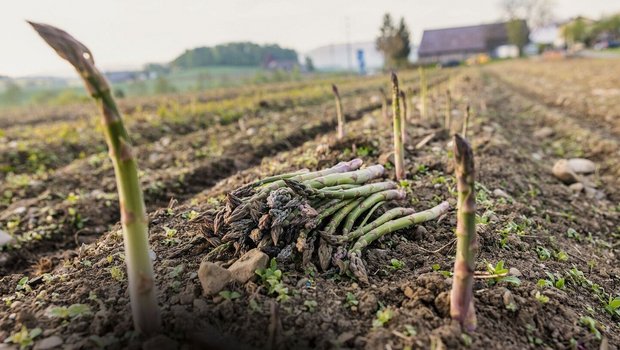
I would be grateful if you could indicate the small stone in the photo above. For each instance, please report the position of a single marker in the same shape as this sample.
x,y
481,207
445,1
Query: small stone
x,y
245,267
509,300
513,271
409,292
562,171
501,193
160,342
345,337
6,239
576,187
213,278
544,133
48,343
421,230
581,165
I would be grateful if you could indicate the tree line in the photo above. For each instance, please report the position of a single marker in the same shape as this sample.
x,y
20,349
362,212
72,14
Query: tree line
x,y
233,54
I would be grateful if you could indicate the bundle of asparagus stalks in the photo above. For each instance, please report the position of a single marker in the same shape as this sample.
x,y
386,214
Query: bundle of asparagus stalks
x,y
329,215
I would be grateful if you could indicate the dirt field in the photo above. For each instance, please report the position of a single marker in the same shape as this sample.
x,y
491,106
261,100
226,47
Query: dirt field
x,y
59,202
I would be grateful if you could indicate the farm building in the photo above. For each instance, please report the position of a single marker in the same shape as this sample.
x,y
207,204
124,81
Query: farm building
x,y
459,43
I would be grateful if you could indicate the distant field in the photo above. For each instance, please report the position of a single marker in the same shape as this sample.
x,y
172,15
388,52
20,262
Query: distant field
x,y
187,80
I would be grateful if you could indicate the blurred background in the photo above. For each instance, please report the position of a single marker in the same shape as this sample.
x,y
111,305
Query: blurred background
x,y
157,47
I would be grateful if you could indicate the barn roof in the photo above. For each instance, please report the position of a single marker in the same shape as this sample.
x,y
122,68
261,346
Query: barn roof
x,y
478,38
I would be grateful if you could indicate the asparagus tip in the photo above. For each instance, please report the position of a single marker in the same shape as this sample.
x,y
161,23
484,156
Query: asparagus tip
x,y
335,89
394,79
402,94
463,153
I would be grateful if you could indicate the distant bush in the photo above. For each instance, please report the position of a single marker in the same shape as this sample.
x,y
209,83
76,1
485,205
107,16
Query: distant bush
x,y
233,54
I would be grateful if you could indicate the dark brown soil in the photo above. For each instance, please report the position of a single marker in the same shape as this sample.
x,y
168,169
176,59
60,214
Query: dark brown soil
x,y
538,212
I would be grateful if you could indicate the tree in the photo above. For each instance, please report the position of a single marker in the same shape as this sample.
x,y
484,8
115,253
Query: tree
x,y
309,64
404,37
393,42
537,13
576,31
518,34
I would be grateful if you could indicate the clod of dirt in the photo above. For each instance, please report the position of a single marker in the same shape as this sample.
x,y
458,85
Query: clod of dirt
x,y
582,165
213,278
562,170
501,193
368,303
6,239
160,342
544,132
48,343
244,268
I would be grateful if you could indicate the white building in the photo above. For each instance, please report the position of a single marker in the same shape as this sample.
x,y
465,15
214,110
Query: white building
x,y
344,56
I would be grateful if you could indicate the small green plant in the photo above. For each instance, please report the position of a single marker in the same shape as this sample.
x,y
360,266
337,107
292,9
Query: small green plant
x,y
272,278
396,264
553,280
560,256
501,272
351,301
613,306
310,305
229,295
73,311
24,337
190,215
543,299
383,316
117,273
591,324
543,253
22,285
170,239
571,233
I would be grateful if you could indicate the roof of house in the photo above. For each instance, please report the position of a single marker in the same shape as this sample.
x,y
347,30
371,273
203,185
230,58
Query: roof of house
x,y
478,38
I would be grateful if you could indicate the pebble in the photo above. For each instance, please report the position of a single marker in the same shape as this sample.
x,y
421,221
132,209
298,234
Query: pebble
x,y
509,300
6,239
245,267
48,343
501,193
582,165
562,171
213,278
544,132
576,187
514,272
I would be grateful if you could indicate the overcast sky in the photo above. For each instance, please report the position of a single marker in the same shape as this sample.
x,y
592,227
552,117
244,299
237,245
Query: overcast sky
x,y
128,33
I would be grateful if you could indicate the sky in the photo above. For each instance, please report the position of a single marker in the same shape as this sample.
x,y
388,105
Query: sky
x,y
128,33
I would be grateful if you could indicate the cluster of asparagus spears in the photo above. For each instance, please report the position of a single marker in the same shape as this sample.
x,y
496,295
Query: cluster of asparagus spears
x,y
329,215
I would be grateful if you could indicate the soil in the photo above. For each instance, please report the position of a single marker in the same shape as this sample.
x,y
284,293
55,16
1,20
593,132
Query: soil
x,y
532,211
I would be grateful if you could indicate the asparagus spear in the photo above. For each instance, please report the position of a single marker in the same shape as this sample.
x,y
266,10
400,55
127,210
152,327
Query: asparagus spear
x,y
367,204
399,149
466,120
384,105
325,249
387,216
352,177
339,112
133,214
448,118
461,298
355,253
423,93
403,117
361,191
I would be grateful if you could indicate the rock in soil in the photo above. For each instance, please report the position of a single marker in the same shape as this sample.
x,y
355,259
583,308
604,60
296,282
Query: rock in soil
x,y
544,133
245,268
213,278
6,239
563,171
48,343
582,165
576,187
501,193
